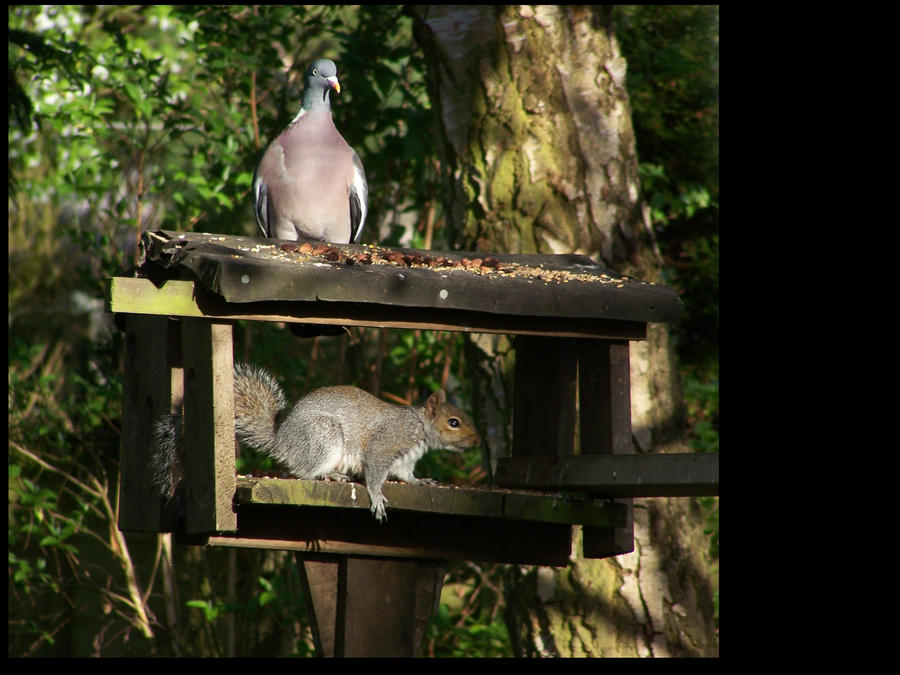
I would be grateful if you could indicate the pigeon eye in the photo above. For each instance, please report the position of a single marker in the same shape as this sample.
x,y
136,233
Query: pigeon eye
x,y
315,72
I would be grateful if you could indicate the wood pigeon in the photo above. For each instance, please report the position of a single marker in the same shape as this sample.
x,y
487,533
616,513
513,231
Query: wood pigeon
x,y
309,183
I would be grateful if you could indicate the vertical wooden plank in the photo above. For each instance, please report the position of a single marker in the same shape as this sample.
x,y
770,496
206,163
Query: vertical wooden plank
x,y
146,396
319,575
604,381
429,583
370,607
544,406
604,377
209,462
387,603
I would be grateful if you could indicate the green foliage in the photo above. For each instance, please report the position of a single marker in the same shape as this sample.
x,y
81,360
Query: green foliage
x,y
62,434
670,202
701,399
673,85
673,81
274,596
468,637
469,621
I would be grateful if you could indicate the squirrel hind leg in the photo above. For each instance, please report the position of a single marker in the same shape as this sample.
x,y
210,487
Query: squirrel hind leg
x,y
312,448
375,477
378,503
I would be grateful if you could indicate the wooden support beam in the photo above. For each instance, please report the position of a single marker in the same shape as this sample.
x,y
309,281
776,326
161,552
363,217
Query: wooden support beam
x,y
604,377
544,405
406,534
189,299
209,459
604,390
657,475
146,396
320,576
370,607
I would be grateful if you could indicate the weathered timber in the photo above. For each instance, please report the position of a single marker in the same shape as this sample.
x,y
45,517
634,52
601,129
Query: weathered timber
x,y
247,270
146,395
370,607
604,394
443,499
405,534
209,465
423,521
655,475
604,389
544,401
179,298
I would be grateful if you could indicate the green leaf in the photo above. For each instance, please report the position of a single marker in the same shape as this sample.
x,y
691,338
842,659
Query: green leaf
x,y
210,611
132,91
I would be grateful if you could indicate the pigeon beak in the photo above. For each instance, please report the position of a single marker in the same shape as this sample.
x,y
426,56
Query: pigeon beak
x,y
333,83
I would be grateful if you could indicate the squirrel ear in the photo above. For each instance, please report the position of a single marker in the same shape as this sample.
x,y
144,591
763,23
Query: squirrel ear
x,y
433,401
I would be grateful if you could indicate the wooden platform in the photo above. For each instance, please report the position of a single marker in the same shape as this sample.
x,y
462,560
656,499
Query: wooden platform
x,y
424,522
373,585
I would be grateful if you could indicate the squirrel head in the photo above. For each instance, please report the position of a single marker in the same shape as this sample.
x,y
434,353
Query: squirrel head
x,y
452,425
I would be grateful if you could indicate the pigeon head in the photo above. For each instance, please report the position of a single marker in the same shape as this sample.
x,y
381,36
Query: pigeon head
x,y
322,76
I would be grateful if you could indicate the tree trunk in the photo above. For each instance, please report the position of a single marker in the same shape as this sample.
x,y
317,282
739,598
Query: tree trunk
x,y
538,155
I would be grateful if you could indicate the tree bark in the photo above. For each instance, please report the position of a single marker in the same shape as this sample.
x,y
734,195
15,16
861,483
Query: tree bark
x,y
538,155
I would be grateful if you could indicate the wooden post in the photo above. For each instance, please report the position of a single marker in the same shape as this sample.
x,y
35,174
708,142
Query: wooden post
x,y
209,461
544,407
604,378
370,607
146,396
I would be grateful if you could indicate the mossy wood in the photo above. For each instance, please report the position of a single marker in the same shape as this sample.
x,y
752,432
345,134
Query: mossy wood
x,y
424,521
445,499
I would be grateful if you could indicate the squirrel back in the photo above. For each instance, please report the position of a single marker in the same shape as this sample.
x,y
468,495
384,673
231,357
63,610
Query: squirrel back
x,y
330,432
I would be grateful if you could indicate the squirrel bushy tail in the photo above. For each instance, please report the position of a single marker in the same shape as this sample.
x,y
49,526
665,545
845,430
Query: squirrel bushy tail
x,y
259,404
166,460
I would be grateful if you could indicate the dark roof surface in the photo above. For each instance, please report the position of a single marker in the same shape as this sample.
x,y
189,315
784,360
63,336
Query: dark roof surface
x,y
244,269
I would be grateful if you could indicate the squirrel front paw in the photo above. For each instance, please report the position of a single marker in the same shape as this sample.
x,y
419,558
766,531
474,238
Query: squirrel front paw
x,y
338,477
377,508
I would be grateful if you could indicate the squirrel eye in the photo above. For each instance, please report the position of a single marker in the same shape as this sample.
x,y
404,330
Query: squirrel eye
x,y
453,422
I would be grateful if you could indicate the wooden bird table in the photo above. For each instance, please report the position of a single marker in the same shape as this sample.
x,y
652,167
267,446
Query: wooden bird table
x,y
373,586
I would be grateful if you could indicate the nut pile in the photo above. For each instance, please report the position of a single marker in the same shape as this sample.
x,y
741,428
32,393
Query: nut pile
x,y
397,258
484,265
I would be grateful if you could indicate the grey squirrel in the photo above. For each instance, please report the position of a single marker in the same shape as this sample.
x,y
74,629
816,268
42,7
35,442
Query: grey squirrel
x,y
330,432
